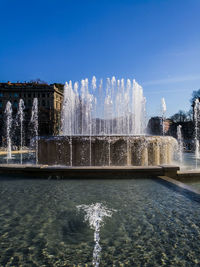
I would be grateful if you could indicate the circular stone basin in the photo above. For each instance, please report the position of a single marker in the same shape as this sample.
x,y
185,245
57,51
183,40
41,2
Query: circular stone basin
x,y
106,150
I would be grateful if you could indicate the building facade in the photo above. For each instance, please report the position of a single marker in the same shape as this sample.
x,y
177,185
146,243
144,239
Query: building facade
x,y
155,127
49,98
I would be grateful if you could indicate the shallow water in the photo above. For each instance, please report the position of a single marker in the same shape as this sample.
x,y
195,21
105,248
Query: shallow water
x,y
153,224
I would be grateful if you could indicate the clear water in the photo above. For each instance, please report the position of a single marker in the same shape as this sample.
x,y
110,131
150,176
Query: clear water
x,y
153,224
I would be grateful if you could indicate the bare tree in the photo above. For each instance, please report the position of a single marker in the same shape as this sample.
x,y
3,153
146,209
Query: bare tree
x,y
195,95
181,116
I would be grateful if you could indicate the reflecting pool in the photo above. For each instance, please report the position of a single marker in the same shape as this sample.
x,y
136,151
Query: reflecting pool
x,y
152,224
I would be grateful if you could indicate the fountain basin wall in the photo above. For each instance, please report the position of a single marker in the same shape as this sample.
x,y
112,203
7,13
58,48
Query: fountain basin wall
x,y
106,151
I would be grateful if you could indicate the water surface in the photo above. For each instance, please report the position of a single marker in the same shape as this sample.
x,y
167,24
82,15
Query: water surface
x,y
153,225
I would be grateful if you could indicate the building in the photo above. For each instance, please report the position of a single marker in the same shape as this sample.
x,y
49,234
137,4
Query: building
x,y
155,127
50,99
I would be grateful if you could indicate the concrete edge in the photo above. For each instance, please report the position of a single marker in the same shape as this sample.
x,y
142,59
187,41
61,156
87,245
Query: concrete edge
x,y
185,176
118,172
179,184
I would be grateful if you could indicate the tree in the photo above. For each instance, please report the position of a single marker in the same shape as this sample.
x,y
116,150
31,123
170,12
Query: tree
x,y
195,95
190,115
181,116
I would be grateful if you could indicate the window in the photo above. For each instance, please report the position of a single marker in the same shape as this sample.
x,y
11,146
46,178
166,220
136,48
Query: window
x,y
29,95
1,94
16,95
43,95
43,103
0,104
38,94
29,102
10,94
24,95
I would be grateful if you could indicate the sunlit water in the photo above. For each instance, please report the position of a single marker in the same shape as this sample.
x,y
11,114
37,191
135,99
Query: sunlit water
x,y
153,224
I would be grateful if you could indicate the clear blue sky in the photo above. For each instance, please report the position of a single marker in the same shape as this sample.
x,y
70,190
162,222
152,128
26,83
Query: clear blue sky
x,y
157,42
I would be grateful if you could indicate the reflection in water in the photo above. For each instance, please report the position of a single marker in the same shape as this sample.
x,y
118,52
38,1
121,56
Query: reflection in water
x,y
94,215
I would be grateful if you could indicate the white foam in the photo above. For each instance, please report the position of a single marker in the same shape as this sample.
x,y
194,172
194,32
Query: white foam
x,y
94,215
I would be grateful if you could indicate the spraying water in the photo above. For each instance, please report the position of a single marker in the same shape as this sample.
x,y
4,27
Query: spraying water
x,y
196,118
20,114
180,144
94,215
92,109
116,109
164,109
34,121
8,112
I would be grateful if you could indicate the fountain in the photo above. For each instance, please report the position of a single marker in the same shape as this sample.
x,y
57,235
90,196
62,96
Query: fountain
x,y
196,119
20,115
105,127
8,113
99,128
117,110
180,144
94,215
34,122
164,109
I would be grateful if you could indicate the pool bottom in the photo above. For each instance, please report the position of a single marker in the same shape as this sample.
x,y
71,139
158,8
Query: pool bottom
x,y
153,224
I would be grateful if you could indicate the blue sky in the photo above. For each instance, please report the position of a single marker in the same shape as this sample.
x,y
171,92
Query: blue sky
x,y
157,42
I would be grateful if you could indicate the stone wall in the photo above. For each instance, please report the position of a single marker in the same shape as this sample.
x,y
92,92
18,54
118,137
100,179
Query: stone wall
x,y
106,151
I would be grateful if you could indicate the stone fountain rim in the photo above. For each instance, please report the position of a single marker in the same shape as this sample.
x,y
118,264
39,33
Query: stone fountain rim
x,y
107,136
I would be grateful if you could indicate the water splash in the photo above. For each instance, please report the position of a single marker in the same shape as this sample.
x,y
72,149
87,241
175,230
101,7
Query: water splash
x,y
91,110
20,114
196,120
164,109
116,109
180,144
8,113
34,121
94,215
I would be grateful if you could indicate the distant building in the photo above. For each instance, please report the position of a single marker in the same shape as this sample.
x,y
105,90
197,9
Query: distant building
x,y
187,131
155,127
50,100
